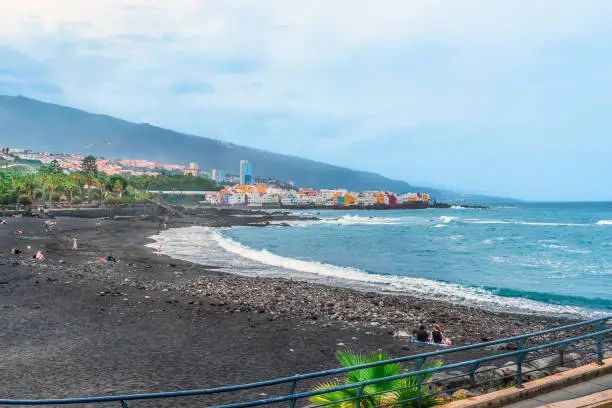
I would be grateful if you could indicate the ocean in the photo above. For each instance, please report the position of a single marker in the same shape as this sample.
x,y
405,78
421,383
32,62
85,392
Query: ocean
x,y
529,258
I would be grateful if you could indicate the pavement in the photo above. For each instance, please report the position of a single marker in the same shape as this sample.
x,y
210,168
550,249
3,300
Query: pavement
x,y
582,389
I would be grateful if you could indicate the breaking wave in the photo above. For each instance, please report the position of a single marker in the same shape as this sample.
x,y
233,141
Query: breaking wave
x,y
210,247
357,220
604,222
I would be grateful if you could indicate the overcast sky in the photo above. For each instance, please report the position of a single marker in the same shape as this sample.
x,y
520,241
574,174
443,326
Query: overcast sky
x,y
506,97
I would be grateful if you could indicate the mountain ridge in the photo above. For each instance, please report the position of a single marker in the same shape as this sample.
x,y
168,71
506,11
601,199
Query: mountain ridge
x,y
43,126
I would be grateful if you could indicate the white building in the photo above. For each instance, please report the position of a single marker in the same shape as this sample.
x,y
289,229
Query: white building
x,y
270,199
218,176
237,199
254,199
289,199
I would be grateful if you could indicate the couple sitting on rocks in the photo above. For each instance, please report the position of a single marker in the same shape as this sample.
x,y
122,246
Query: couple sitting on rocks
x,y
435,336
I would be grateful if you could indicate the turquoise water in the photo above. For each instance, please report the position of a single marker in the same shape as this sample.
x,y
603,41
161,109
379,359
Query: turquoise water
x,y
553,254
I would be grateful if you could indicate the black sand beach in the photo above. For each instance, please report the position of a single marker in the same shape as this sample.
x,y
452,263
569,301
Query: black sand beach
x,y
73,326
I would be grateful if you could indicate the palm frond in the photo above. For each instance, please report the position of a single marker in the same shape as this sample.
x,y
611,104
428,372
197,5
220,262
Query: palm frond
x,y
429,365
334,399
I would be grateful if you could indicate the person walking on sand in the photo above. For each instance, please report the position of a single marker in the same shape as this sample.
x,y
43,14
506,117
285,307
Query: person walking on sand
x,y
74,244
437,337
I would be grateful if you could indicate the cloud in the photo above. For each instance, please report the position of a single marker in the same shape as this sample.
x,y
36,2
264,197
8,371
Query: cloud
x,y
339,81
192,88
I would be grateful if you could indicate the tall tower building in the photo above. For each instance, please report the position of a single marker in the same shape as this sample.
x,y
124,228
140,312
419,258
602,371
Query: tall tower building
x,y
246,172
194,169
218,176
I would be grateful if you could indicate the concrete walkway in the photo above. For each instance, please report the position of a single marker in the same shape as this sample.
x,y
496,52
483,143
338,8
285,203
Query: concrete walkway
x,y
582,389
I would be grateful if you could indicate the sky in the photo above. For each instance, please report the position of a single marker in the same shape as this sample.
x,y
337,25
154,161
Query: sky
x,y
505,97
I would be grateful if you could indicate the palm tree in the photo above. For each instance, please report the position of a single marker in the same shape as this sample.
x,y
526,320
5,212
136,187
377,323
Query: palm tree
x,y
69,184
100,184
118,188
25,183
400,393
52,182
77,178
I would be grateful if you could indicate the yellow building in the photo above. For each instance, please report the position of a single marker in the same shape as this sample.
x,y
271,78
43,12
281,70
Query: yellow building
x,y
349,199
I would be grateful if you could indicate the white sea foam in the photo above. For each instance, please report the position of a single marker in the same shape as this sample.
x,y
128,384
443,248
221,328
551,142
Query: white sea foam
x,y
458,207
531,223
477,221
440,226
491,240
554,246
358,220
208,246
604,222
551,224
447,219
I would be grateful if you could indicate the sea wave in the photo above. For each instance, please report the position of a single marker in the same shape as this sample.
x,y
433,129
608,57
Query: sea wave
x,y
447,219
210,247
358,220
604,222
491,240
530,223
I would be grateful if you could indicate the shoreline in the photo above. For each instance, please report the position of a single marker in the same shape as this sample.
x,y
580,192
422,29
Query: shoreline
x,y
312,272
75,326
355,279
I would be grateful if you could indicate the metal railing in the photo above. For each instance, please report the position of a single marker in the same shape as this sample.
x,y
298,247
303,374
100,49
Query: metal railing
x,y
420,381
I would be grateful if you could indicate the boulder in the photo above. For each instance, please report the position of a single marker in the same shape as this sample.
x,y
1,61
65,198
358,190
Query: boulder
x,y
444,398
545,363
461,394
486,374
532,373
572,360
508,371
450,379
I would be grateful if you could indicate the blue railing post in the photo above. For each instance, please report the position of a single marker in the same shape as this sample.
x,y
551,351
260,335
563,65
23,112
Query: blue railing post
x,y
291,392
562,354
124,404
519,364
358,401
600,352
473,368
419,366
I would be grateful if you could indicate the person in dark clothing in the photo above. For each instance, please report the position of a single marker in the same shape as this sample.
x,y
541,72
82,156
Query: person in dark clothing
x,y
437,336
111,258
421,334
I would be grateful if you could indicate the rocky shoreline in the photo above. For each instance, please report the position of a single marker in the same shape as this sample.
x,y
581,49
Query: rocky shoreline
x,y
129,311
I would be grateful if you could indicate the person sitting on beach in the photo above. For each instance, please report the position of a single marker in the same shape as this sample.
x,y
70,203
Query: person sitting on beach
x,y
15,251
39,256
111,258
437,337
422,335
2,221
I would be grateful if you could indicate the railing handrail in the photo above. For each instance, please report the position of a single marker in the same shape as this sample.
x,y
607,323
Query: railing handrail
x,y
300,377
296,396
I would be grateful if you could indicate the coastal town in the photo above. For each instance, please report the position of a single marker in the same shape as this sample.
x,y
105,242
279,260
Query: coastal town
x,y
240,190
